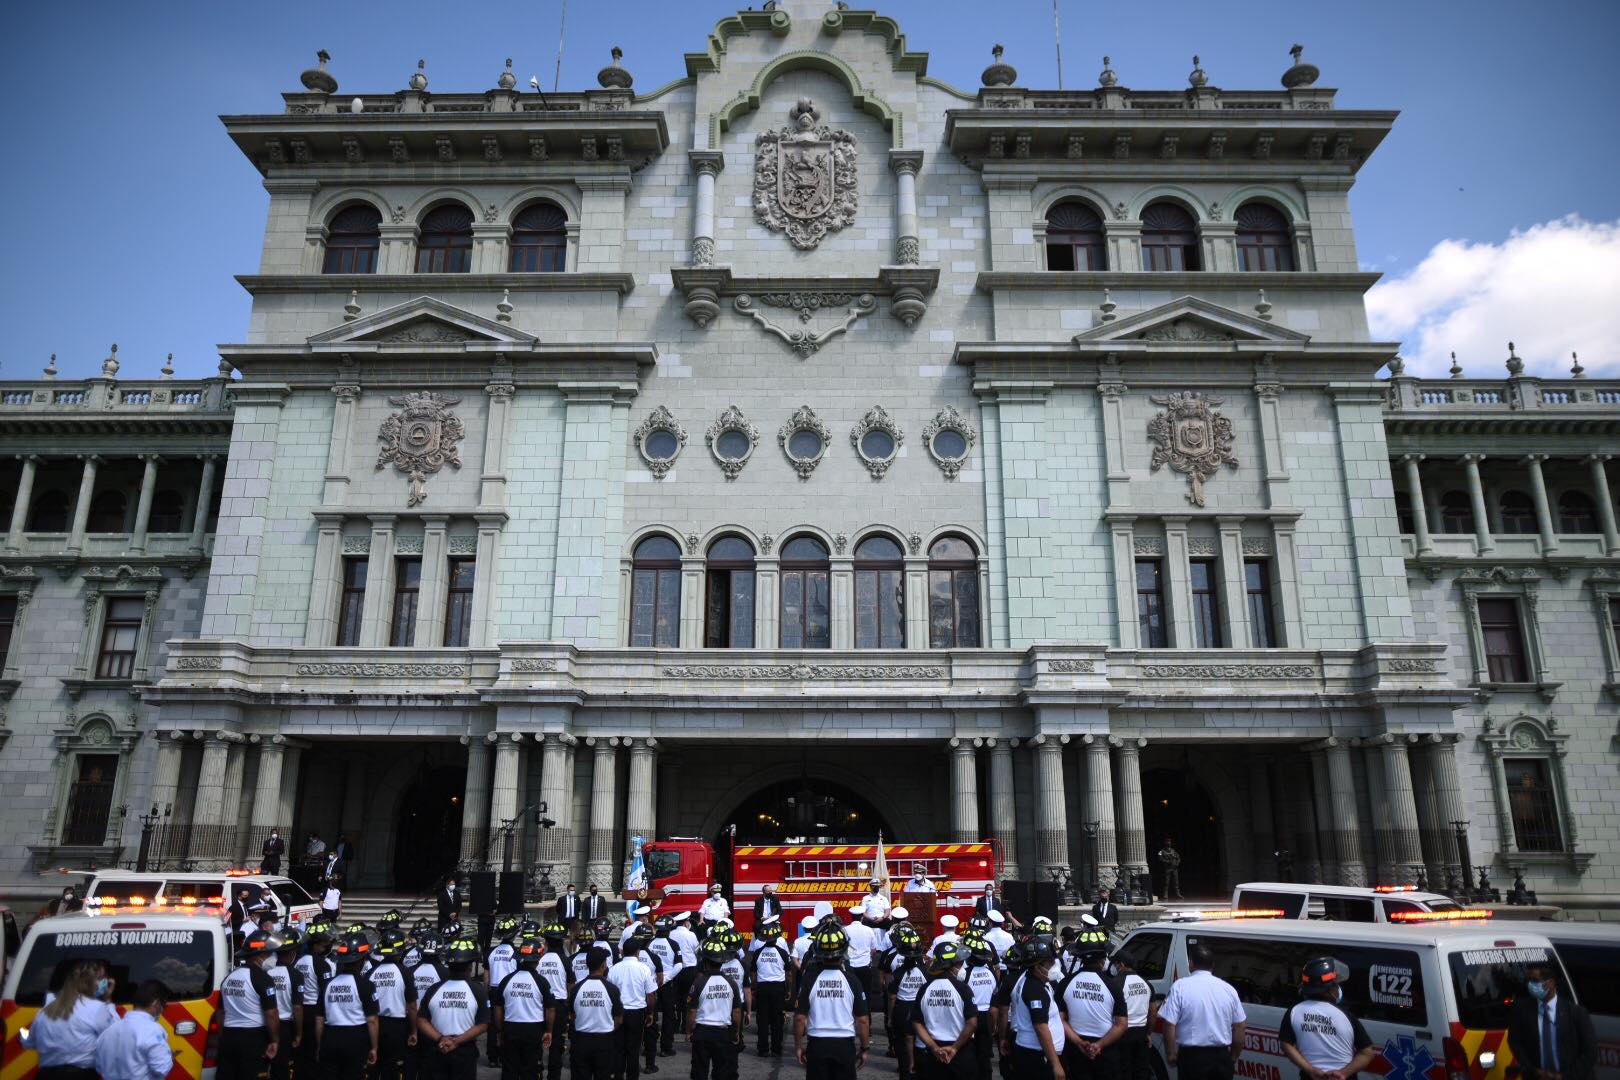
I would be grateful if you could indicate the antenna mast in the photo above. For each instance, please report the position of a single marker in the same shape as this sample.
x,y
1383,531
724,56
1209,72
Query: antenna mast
x,y
562,26
1057,39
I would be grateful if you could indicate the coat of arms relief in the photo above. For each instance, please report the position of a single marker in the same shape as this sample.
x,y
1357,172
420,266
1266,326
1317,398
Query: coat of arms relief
x,y
420,439
804,178
1192,438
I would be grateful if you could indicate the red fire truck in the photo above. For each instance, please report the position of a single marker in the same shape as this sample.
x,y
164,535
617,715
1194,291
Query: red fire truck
x,y
680,871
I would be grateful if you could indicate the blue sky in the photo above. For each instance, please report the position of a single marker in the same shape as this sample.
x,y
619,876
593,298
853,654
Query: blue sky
x,y
130,210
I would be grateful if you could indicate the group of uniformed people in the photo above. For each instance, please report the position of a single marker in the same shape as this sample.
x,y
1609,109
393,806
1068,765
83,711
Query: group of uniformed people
x,y
347,1003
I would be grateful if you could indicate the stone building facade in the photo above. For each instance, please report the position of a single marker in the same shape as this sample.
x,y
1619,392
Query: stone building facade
x,y
810,437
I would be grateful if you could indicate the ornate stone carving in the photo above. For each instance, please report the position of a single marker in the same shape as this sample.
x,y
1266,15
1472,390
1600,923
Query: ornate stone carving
x,y
807,303
1182,330
408,545
199,663
949,419
806,342
463,544
1147,545
804,178
425,332
693,542
1414,664
907,252
914,541
766,542
660,419
800,672
1191,438
805,419
533,664
1227,671
1202,545
731,420
703,251
1074,667
876,419
356,545
840,542
385,671
420,439
1256,545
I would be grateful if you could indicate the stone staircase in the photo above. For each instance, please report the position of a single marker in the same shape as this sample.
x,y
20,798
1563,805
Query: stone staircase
x,y
366,907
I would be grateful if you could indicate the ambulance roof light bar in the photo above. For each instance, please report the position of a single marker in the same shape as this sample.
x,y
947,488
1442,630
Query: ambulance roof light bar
x,y
1394,888
1457,915
1241,913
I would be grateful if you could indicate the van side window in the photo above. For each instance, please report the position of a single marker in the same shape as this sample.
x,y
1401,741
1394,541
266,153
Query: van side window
x,y
1290,904
1263,972
1148,954
1385,984
1399,907
1591,971
1347,908
291,894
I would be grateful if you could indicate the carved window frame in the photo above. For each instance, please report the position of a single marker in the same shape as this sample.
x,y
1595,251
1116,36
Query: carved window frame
x,y
877,419
1605,587
1528,738
660,419
101,586
77,737
1501,583
949,419
18,584
804,419
732,420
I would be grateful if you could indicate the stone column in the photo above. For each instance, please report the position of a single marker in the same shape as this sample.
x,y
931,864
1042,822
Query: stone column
x,y
1052,813
1605,506
166,776
1538,492
604,804
475,801
1414,496
707,164
964,791
1476,498
1346,826
377,613
1003,809
267,791
292,759
1133,853
81,508
143,507
1448,804
1262,822
1406,849
556,783
205,504
1100,808
639,812
1322,808
207,812
503,792
20,508
230,816
1429,827
1383,856
906,164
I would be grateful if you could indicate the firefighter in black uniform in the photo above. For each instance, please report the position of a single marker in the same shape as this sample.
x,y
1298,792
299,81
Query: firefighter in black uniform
x,y
289,1005
249,1017
558,973
525,1012
453,1014
594,1017
714,1013
945,1018
313,970
768,967
396,1010
346,1024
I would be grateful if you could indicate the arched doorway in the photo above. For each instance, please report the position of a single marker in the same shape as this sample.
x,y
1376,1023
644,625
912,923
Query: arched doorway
x,y
427,839
1176,807
806,810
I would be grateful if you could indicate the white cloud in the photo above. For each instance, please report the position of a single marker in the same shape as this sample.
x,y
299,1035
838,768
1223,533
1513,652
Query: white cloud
x,y
1551,289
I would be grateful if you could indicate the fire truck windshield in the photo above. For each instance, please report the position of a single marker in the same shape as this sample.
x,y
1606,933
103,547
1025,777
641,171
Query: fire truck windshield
x,y
662,864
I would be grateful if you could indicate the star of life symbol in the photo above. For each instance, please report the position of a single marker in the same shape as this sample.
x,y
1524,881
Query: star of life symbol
x,y
1408,1059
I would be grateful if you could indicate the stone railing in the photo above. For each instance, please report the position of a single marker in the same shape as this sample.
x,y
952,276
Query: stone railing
x,y
490,101
102,396
1407,394
1117,97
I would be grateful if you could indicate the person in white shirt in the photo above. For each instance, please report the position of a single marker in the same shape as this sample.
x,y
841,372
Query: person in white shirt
x,y
1133,1046
801,943
65,1031
919,882
686,945
137,1047
714,908
948,925
874,903
997,935
1204,1021
638,999
1034,1039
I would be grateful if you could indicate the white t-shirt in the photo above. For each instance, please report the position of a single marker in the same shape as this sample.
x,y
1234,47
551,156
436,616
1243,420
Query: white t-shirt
x,y
830,1001
1203,1008
1137,996
1325,1034
944,1007
245,995
455,1006
395,989
1090,1003
981,981
770,963
801,945
713,998
999,940
635,982
347,1000
502,962
1033,1004
595,1006
687,943
522,997
860,944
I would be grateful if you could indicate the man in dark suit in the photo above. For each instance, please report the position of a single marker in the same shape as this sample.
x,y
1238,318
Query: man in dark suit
x,y
450,901
984,905
1105,911
595,907
768,905
332,869
569,906
1551,1037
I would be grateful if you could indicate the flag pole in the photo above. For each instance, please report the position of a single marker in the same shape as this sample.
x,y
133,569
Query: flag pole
x,y
1057,39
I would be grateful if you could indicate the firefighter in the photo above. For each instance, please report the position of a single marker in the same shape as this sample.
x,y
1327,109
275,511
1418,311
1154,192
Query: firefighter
x,y
832,1029
250,1018
501,962
907,976
346,1026
1033,1039
554,968
314,970
945,1018
982,976
594,1015
638,998
524,1011
686,941
453,1014
289,1005
715,1016
396,1009
768,966
713,909
669,956
1091,1004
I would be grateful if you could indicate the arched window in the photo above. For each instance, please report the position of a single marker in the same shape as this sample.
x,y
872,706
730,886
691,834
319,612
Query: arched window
x,y
1263,238
1518,514
1456,513
806,610
168,512
953,594
880,587
1169,238
655,594
352,238
49,513
728,610
107,513
1074,238
539,240
1576,513
444,242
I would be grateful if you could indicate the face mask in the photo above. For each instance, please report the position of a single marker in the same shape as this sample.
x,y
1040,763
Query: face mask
x,y
271,964
103,988
1538,990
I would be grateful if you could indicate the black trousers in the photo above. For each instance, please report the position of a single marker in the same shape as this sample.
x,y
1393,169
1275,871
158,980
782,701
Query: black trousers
x,y
1026,1064
901,1036
668,1014
559,1044
1105,1066
830,1059
67,1072
984,1047
964,1066
595,1057
522,1051
309,1063
632,1030
459,1064
281,1068
393,1056
769,1001
683,992
241,1053
1133,1055
714,1052
1204,1062
344,1051
649,1036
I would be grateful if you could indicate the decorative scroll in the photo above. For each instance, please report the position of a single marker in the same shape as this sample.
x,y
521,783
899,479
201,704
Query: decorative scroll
x,y
806,342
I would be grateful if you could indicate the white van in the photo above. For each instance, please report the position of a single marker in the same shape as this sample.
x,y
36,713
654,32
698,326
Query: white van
x,y
1591,955
1434,997
294,906
1341,903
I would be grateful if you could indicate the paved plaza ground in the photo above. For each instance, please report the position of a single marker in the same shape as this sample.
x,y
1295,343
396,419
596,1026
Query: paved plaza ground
x,y
750,1066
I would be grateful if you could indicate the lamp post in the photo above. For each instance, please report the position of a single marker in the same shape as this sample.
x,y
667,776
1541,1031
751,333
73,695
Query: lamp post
x,y
1092,828
148,821
544,886
1461,829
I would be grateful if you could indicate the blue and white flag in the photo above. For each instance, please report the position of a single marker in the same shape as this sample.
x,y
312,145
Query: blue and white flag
x,y
636,880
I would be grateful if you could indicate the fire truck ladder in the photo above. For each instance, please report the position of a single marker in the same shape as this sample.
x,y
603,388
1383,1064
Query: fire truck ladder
x,y
857,869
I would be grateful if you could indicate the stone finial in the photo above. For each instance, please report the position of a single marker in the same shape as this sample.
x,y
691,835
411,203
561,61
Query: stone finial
x,y
1301,74
1575,369
1456,368
999,74
50,368
419,77
1108,307
507,80
1199,77
224,368
351,310
1515,365
167,371
614,77
357,106
317,79
109,366
1108,77
1397,366
1262,307
503,310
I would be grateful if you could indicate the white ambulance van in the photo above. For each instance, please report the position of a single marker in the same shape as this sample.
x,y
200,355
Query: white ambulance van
x,y
1591,955
1340,903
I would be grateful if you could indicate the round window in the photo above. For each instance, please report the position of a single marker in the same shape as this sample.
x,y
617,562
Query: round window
x,y
877,444
661,445
733,445
804,444
949,444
